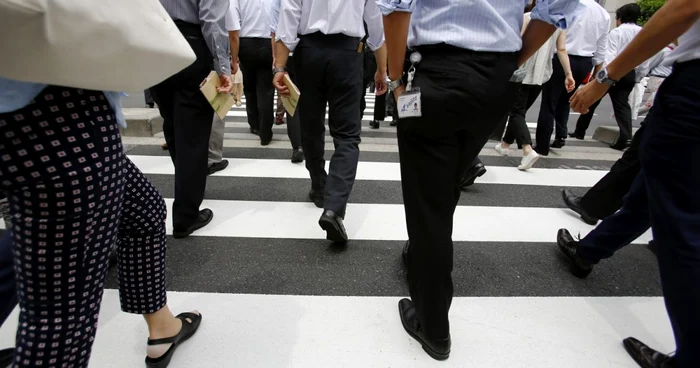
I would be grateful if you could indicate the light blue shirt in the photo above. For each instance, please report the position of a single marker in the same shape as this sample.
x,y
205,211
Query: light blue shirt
x,y
478,25
15,95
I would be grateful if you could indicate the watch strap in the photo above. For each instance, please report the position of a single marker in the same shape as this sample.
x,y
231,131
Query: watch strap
x,y
278,70
392,85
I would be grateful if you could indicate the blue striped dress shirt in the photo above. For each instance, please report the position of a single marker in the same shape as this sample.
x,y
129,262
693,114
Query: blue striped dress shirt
x,y
478,25
211,15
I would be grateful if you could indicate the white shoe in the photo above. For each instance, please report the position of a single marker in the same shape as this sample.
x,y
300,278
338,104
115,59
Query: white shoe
x,y
501,150
238,103
528,161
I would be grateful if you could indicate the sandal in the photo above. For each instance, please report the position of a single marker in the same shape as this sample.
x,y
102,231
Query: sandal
x,y
188,329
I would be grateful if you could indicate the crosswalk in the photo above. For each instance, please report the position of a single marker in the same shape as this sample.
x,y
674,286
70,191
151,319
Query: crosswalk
x,y
275,293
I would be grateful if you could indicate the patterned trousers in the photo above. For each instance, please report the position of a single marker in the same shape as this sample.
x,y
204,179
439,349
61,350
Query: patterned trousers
x,y
73,196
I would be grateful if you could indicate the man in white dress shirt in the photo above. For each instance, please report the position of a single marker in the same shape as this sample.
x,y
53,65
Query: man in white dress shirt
x,y
255,55
585,44
627,28
325,37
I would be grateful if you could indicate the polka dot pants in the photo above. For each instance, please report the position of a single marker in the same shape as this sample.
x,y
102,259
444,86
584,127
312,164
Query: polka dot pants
x,y
73,196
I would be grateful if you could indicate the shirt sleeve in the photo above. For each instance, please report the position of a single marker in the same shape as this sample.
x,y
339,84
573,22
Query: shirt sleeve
x,y
375,25
387,7
601,46
274,15
233,19
288,23
612,47
559,13
212,14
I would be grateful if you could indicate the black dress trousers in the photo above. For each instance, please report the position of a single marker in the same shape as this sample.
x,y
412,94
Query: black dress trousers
x,y
435,150
606,196
555,101
256,65
329,69
187,121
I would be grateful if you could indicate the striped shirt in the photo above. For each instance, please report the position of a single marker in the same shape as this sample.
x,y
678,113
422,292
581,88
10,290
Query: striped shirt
x,y
211,15
478,25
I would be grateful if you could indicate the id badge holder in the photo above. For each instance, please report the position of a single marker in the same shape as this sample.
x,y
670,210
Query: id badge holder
x,y
409,103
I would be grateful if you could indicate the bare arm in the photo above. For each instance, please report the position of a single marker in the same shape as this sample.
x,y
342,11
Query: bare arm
x,y
536,34
562,54
234,41
380,55
396,34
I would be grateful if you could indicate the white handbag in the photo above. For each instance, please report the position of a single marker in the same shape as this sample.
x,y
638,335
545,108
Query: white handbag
x,y
105,45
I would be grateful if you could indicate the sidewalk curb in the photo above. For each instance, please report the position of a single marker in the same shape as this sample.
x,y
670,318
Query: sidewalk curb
x,y
141,122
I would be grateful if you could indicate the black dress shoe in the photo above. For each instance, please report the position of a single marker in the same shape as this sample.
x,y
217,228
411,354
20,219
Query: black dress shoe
x,y
374,124
577,135
297,156
203,219
574,203
333,225
621,145
255,131
316,197
647,357
218,166
438,349
393,123
558,143
265,142
474,172
6,357
569,247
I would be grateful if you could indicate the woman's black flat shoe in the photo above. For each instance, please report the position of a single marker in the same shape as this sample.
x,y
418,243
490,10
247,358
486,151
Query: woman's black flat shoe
x,y
188,329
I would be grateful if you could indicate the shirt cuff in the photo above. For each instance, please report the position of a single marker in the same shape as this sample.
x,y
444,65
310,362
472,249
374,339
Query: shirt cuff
x,y
387,7
559,13
224,65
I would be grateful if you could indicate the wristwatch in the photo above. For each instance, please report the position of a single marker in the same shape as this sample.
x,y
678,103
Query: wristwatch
x,y
394,84
278,70
602,77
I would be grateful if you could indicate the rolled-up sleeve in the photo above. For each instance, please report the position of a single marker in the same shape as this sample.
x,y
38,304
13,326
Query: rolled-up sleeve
x,y
559,13
212,14
375,25
612,46
288,23
274,15
387,7
601,48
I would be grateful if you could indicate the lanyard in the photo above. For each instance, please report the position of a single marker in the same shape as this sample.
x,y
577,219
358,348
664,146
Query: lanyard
x,y
415,59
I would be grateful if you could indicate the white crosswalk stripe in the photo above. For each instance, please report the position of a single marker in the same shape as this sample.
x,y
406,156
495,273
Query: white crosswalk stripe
x,y
274,293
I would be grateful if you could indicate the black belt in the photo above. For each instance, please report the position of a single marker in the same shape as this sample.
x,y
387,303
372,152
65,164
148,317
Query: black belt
x,y
658,76
331,41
